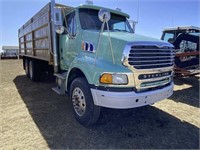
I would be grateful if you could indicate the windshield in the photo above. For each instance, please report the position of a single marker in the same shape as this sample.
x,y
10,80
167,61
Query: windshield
x,y
89,21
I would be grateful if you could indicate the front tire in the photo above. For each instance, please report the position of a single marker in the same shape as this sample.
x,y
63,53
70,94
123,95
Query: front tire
x,y
85,112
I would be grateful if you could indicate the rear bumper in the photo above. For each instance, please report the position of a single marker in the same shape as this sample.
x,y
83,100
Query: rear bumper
x,y
123,100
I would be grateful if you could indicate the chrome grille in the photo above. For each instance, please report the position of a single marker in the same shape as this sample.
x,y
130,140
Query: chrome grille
x,y
148,57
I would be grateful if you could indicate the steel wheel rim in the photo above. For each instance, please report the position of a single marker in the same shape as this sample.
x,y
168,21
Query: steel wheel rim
x,y
31,69
78,100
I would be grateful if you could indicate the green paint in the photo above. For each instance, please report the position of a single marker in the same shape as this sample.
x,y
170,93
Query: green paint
x,y
73,56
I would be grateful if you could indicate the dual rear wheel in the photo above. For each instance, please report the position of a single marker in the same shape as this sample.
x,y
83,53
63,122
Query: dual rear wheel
x,y
32,69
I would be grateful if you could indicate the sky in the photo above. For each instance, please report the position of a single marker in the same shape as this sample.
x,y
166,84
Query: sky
x,y
152,15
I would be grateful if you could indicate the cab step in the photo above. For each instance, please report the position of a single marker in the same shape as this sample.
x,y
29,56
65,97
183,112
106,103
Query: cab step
x,y
60,81
61,75
57,90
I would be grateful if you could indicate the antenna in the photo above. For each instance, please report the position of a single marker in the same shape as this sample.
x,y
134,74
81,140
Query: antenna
x,y
133,23
172,21
137,13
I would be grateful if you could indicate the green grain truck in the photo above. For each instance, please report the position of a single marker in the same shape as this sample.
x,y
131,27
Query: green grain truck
x,y
96,58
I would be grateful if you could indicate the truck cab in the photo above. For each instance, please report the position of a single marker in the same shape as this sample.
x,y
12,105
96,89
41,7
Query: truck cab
x,y
101,62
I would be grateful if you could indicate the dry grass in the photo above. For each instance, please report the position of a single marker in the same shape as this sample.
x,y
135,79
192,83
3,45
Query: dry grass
x,y
34,117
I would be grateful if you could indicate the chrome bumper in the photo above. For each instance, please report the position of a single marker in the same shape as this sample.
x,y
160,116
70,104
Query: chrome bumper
x,y
123,100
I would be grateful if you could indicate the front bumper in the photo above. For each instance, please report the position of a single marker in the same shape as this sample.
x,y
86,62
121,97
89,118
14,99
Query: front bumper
x,y
123,100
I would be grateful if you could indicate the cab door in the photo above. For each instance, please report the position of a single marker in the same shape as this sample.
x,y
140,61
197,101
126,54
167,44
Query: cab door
x,y
68,42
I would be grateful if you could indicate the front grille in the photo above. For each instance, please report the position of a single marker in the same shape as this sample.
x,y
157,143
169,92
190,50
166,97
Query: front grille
x,y
155,83
149,57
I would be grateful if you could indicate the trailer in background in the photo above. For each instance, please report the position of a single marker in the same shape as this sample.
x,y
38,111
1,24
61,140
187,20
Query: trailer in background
x,y
9,52
186,43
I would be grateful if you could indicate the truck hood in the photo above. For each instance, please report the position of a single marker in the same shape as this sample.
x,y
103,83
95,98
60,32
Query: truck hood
x,y
130,37
119,41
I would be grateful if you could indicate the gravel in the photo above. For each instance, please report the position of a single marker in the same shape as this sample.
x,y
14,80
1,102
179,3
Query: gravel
x,y
32,116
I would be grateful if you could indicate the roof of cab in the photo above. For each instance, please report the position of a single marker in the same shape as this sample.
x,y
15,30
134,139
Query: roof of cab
x,y
182,28
111,10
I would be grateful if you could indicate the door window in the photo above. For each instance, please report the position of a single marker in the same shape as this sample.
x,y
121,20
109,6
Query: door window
x,y
169,37
71,24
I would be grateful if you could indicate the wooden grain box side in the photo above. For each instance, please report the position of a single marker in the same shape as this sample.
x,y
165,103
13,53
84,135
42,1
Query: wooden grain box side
x,y
35,36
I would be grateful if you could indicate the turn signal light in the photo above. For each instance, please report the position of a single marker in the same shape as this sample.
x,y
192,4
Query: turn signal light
x,y
106,79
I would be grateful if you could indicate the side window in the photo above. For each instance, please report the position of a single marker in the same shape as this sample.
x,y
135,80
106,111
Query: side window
x,y
71,23
169,37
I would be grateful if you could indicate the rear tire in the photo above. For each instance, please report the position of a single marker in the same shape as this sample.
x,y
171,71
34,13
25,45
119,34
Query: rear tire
x,y
34,71
26,67
85,112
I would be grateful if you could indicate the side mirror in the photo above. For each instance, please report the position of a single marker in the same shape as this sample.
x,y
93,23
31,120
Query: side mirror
x,y
132,24
60,29
104,15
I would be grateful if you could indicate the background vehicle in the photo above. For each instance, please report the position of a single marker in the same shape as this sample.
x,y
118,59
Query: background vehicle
x,y
186,43
97,58
9,52
170,34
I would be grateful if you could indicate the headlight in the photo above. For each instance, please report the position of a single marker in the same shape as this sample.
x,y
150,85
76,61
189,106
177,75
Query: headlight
x,y
118,79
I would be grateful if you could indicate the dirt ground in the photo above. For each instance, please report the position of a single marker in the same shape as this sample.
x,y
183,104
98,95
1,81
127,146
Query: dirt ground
x,y
32,116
